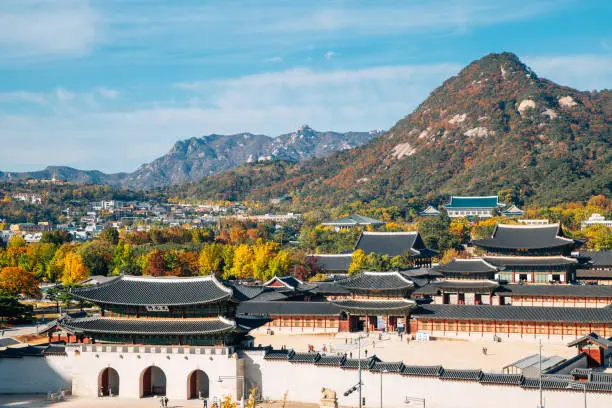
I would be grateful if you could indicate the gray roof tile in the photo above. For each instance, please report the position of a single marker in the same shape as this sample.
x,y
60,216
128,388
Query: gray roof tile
x,y
93,325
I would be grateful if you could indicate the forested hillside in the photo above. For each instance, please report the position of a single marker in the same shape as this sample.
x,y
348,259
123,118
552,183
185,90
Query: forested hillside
x,y
496,126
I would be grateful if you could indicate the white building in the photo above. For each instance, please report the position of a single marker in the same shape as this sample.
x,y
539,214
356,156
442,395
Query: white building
x,y
482,207
597,219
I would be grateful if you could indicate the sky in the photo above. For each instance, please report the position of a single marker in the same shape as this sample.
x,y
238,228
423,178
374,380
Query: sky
x,y
112,84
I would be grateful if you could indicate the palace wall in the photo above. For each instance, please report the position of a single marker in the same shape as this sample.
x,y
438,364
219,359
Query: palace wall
x,y
35,375
130,366
303,382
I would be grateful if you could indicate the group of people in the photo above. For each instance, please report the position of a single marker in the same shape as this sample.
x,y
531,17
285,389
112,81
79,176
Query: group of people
x,y
164,401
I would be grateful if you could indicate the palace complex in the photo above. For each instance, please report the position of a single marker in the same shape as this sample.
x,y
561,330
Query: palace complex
x,y
188,338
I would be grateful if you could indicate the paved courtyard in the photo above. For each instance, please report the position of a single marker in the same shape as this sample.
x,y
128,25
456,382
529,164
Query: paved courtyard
x,y
452,353
38,401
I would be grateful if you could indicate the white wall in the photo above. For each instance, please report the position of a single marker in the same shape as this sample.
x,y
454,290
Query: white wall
x,y
130,366
303,382
34,375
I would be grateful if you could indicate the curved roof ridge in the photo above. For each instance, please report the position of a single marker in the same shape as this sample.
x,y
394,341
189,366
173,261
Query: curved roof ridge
x,y
531,257
165,279
388,273
389,232
529,226
491,196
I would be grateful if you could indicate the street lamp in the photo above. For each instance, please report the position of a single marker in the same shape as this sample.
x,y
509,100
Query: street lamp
x,y
410,400
381,390
237,378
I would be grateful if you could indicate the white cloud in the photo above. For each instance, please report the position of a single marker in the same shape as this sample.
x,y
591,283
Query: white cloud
x,y
31,28
108,93
329,55
64,95
273,103
585,72
22,96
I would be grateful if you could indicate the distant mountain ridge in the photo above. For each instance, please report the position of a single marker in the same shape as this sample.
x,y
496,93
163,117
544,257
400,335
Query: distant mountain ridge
x,y
199,157
494,126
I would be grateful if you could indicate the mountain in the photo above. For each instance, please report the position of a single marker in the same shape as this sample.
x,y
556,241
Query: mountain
x,y
494,126
196,158
67,174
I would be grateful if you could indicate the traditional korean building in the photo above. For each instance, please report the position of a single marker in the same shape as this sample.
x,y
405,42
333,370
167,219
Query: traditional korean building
x,y
597,269
530,253
527,240
464,281
407,244
147,310
332,263
507,321
430,211
482,207
513,211
377,300
353,220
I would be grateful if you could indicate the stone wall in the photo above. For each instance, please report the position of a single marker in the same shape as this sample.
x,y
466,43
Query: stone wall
x,y
303,382
35,375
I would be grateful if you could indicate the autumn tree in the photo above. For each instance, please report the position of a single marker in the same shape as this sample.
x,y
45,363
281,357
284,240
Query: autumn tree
x,y
16,241
15,281
110,235
74,270
211,259
359,261
155,264
243,262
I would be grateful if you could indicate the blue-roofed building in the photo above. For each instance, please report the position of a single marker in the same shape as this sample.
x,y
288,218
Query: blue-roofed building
x,y
430,211
482,207
513,211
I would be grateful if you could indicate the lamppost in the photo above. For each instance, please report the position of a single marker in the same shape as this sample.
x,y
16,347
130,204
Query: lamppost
x,y
381,388
237,378
410,400
579,385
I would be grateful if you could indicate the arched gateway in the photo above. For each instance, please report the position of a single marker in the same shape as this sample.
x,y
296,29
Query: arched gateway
x,y
152,382
108,382
198,385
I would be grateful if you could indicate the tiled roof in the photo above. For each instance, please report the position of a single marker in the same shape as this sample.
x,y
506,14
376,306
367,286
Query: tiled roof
x,y
514,313
547,383
148,326
34,351
381,367
288,281
503,379
278,354
245,292
525,236
335,361
466,375
379,306
144,290
467,285
390,243
353,363
354,220
598,258
324,288
509,261
304,357
457,202
377,281
589,291
593,338
286,308
8,341
471,266
425,371
430,210
594,273
513,210
327,262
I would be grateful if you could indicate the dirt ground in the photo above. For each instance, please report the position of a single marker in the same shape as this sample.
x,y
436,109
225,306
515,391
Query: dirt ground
x,y
39,401
455,353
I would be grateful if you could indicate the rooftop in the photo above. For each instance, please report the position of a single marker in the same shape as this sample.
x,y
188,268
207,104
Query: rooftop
x,y
458,202
502,261
466,266
589,291
340,262
146,290
525,237
514,313
377,306
353,220
377,281
287,308
93,325
391,243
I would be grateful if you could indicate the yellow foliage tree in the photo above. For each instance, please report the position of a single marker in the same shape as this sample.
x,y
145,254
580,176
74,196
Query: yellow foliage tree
x,y
243,262
211,258
449,255
359,260
74,270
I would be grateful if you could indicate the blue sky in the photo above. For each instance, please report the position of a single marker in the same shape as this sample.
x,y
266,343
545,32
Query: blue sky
x,y
112,84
